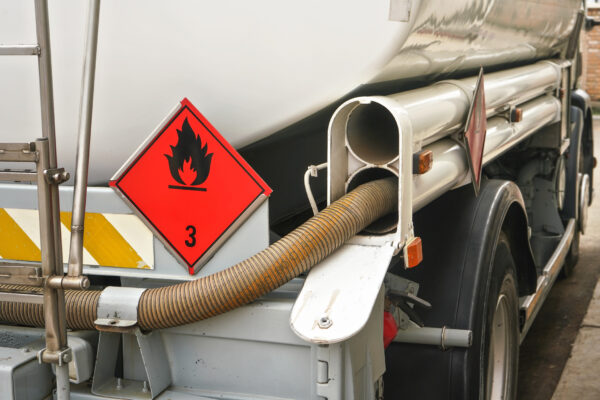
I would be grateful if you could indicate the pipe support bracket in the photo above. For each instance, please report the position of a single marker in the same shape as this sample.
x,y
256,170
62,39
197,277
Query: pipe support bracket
x,y
118,308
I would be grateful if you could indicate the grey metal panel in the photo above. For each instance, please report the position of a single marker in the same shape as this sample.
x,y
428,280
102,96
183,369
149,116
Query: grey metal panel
x,y
251,353
32,371
21,376
100,199
81,392
249,239
250,350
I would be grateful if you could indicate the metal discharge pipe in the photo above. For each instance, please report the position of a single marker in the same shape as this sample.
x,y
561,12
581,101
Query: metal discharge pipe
x,y
370,126
240,284
435,111
450,168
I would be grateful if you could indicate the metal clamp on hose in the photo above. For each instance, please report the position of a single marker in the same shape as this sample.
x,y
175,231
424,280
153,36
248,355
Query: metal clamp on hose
x,y
118,309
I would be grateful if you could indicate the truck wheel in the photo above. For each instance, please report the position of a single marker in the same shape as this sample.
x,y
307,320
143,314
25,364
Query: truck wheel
x,y
500,336
469,274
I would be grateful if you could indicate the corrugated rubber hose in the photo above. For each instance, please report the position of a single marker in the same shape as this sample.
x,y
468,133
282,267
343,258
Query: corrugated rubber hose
x,y
239,284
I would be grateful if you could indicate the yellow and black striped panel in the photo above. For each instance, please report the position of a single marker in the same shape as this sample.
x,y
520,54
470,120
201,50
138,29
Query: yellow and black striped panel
x,y
110,240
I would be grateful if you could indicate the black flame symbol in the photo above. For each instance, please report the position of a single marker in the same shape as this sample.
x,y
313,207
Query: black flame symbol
x,y
189,150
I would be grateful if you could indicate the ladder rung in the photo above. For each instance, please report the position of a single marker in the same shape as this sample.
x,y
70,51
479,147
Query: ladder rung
x,y
19,50
15,156
15,297
16,146
18,176
16,152
21,275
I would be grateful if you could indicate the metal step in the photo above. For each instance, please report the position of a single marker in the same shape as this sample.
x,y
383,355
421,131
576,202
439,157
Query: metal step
x,y
19,50
18,152
18,176
530,305
18,274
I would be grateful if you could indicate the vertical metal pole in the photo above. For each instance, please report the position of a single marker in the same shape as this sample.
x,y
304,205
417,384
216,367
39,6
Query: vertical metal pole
x,y
62,382
49,210
54,299
42,27
53,336
45,70
83,145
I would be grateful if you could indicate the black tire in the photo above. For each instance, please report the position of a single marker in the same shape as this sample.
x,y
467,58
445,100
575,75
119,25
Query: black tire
x,y
499,338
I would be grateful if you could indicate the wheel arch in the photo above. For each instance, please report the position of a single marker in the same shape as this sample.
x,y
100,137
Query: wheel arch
x,y
455,275
581,100
517,230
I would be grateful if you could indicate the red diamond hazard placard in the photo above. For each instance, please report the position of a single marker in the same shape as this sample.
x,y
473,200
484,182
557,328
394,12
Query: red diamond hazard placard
x,y
190,186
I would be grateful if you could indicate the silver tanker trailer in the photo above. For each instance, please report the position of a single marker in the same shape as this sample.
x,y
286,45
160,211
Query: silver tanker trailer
x,y
284,200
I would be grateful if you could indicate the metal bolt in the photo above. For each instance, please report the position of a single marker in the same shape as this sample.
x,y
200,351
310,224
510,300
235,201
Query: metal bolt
x,y
325,322
119,384
145,387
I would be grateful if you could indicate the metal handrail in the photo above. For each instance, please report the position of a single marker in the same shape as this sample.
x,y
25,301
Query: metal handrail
x,y
83,144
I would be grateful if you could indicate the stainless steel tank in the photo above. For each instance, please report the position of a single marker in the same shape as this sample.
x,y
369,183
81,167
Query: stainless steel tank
x,y
254,68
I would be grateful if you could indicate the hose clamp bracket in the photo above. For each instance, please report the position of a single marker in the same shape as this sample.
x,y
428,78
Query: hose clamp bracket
x,y
118,309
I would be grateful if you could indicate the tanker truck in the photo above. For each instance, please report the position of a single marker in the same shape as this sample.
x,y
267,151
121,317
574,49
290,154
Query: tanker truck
x,y
285,200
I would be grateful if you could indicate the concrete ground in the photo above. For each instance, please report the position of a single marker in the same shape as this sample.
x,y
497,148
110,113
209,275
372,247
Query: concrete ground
x,y
580,378
561,354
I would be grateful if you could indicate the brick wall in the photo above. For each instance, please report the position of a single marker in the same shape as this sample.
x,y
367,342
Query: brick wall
x,y
590,46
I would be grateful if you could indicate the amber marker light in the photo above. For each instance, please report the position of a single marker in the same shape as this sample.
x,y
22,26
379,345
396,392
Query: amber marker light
x,y
516,115
413,252
422,161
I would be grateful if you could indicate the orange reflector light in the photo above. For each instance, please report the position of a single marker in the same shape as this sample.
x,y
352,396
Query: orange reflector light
x,y
413,252
516,115
422,161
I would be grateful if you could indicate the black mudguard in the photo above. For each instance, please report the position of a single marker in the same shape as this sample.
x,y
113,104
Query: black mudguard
x,y
459,233
581,100
571,205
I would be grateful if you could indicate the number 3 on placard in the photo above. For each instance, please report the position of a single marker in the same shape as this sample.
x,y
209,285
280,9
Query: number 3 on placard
x,y
191,241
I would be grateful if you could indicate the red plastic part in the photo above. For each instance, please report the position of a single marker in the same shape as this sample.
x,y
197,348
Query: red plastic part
x,y
390,329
